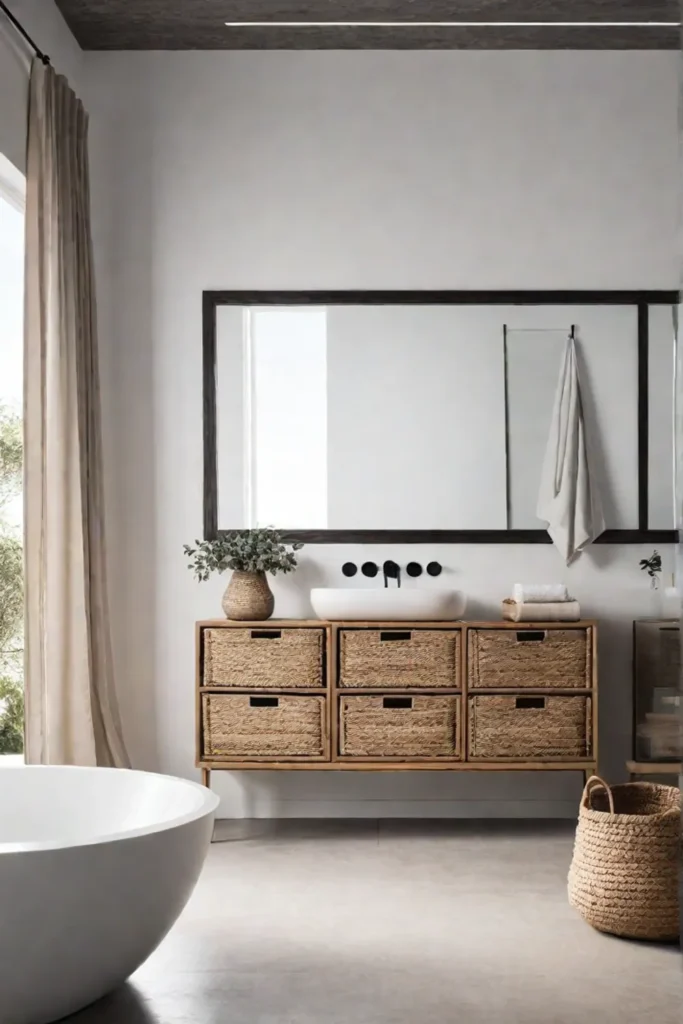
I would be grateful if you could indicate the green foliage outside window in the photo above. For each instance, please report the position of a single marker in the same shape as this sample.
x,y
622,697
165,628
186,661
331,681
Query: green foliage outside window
x,y
11,589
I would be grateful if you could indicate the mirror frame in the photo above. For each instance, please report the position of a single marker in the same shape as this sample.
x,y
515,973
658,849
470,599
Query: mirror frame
x,y
642,300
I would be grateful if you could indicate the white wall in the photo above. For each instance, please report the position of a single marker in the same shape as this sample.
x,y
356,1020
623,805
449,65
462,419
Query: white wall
x,y
352,170
43,21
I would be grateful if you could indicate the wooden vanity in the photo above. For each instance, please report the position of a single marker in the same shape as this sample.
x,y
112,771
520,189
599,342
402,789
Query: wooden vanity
x,y
396,696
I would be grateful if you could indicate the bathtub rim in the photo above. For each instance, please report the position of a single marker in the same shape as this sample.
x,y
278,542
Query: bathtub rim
x,y
209,806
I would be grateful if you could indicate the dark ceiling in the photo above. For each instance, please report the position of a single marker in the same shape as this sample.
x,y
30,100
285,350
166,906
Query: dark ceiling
x,y
200,24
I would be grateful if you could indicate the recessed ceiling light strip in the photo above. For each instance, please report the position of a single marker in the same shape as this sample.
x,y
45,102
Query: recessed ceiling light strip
x,y
453,24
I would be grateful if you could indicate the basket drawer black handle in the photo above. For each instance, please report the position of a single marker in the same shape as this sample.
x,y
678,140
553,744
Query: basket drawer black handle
x,y
397,702
264,702
266,634
530,702
530,636
395,635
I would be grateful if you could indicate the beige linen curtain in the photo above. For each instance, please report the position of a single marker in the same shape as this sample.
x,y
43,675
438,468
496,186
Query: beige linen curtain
x,y
71,710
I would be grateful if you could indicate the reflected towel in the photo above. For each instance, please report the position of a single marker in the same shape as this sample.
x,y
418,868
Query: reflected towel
x,y
555,611
569,498
548,593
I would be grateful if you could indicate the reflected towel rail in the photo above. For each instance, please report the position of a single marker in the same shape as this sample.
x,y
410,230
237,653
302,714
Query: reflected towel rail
x,y
540,330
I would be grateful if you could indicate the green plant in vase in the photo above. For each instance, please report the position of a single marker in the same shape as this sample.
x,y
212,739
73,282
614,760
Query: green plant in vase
x,y
653,567
250,554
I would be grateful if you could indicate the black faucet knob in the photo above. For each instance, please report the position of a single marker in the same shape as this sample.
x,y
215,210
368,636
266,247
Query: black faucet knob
x,y
414,569
369,569
434,569
349,568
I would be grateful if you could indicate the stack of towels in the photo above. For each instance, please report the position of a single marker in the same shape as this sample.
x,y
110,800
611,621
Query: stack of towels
x,y
541,602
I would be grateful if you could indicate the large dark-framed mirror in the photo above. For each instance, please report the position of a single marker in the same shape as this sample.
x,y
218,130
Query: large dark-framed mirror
x,y
421,417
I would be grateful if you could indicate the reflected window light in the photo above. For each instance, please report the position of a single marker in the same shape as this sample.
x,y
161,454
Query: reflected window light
x,y
285,366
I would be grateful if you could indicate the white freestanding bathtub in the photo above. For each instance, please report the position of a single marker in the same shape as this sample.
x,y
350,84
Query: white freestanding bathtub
x,y
96,864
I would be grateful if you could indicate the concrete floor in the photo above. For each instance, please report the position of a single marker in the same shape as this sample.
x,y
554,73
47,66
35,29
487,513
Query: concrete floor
x,y
410,922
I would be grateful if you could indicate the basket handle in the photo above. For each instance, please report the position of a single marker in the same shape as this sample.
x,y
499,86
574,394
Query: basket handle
x,y
594,781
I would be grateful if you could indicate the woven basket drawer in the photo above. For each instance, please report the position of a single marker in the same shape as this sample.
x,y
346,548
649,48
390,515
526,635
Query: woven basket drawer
x,y
399,726
379,658
280,659
526,728
514,659
244,725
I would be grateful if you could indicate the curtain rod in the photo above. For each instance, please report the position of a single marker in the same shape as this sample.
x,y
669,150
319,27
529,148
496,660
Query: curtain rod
x,y
22,32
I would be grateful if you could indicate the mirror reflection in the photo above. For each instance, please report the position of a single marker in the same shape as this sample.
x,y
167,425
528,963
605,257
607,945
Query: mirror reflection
x,y
429,417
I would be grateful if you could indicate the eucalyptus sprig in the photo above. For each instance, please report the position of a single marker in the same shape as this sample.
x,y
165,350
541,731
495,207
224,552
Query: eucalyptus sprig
x,y
653,565
259,550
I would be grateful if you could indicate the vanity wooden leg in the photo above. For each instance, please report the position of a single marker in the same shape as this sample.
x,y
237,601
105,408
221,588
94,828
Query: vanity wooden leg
x,y
206,777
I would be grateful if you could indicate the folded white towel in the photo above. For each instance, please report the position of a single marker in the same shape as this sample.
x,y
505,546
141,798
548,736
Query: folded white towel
x,y
548,593
535,611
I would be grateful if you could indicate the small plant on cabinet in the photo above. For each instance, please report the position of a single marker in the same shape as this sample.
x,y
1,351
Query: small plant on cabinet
x,y
653,566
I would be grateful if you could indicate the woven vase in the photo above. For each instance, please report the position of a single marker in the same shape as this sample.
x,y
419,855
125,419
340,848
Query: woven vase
x,y
248,597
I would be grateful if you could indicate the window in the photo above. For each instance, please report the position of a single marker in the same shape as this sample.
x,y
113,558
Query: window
x,y
285,369
11,504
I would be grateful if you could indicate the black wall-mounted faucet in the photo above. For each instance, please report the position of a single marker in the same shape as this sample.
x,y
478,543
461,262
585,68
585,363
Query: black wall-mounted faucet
x,y
391,571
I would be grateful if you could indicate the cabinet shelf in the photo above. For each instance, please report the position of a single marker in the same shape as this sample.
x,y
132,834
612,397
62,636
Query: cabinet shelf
x,y
654,767
398,691
531,691
264,691
398,766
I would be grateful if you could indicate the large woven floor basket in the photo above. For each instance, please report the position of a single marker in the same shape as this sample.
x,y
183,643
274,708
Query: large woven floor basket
x,y
624,873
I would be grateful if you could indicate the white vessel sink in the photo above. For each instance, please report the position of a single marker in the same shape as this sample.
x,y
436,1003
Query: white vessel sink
x,y
388,604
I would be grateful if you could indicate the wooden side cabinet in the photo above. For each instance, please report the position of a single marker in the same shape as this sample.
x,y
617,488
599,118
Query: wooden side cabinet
x,y
388,696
